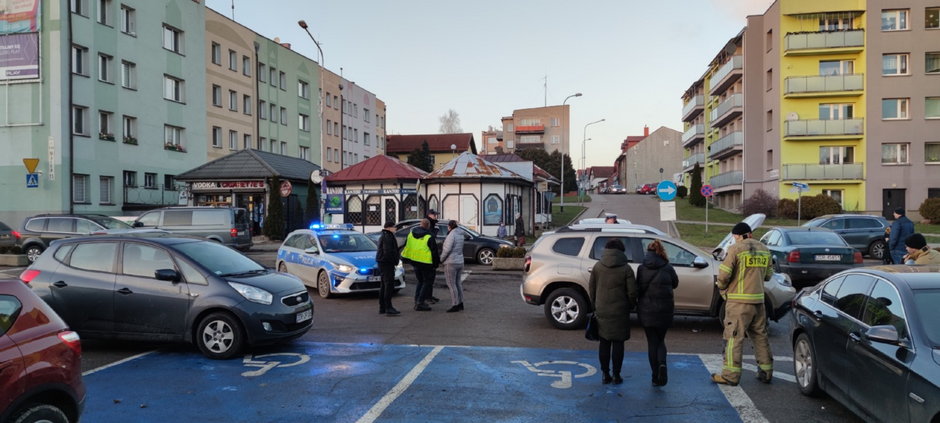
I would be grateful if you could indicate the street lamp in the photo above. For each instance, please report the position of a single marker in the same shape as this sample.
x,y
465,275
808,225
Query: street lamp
x,y
583,141
562,167
303,25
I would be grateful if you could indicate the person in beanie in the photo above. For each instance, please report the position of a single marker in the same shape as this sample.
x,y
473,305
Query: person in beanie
x,y
741,279
612,288
386,256
901,228
655,280
918,252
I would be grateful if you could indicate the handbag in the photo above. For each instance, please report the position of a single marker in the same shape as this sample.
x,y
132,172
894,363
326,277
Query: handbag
x,y
590,333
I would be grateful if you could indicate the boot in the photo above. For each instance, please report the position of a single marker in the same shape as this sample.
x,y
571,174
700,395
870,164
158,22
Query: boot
x,y
617,379
391,311
605,378
763,376
661,376
718,378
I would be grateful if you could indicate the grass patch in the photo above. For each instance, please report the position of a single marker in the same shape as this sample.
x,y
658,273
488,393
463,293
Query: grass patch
x,y
695,234
572,199
562,218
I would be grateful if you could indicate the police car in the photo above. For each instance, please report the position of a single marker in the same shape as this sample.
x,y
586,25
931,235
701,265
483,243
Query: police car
x,y
334,258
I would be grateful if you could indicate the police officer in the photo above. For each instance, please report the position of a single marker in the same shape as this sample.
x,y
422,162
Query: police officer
x,y
421,251
741,281
387,257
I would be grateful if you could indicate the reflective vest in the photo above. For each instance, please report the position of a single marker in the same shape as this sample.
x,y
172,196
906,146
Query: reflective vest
x,y
417,250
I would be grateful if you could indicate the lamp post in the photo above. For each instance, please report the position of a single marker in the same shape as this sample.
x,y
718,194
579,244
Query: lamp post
x,y
583,141
561,191
303,25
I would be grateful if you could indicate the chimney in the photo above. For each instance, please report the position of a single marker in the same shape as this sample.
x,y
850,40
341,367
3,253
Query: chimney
x,y
646,131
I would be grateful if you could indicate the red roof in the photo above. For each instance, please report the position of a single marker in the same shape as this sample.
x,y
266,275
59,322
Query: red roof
x,y
378,168
437,143
602,171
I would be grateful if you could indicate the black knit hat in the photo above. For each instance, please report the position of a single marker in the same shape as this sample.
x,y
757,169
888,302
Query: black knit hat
x,y
899,211
741,228
915,241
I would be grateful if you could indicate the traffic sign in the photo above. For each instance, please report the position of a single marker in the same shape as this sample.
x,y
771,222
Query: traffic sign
x,y
801,186
31,165
666,190
707,191
32,180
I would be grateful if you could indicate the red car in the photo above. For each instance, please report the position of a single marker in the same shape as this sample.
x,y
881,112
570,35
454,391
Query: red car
x,y
40,360
648,189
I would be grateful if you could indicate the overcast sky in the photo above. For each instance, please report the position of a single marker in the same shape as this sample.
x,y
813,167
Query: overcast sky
x,y
632,60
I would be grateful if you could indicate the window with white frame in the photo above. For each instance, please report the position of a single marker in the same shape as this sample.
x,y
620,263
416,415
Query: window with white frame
x,y
216,54
173,135
895,108
329,127
216,137
530,139
836,155
366,139
835,194
932,18
129,128
169,182
232,140
128,75
262,72
329,103
104,12
172,39
232,100
246,104
272,76
305,153
282,81
303,122
262,142
283,148
79,120
105,189
262,109
335,102
273,110
246,66
932,152
216,95
329,154
556,122
894,153
556,139
894,19
150,180
80,189
835,22
232,61
932,62
283,116
836,111
79,60
130,178
895,64
104,124
246,143
303,89
335,129
128,20
173,88
365,114
273,146
355,135
79,7
836,67
932,107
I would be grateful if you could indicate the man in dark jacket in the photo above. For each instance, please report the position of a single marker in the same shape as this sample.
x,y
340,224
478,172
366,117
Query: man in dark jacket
x,y
520,230
431,216
901,228
421,251
387,258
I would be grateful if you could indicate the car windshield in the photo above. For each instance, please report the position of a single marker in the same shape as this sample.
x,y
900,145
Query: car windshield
x,y
471,231
815,222
110,222
815,238
219,259
345,242
927,312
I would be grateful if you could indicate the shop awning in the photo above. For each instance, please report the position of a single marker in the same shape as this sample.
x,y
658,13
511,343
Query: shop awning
x,y
251,164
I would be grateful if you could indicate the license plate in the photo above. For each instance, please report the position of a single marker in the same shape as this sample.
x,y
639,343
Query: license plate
x,y
375,278
304,316
828,257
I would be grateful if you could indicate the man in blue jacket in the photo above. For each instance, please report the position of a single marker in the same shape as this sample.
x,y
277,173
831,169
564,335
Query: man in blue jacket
x,y
900,230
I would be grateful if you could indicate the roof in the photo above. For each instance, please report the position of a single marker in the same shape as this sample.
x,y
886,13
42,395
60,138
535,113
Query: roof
x,y
602,171
378,168
469,165
504,158
437,143
251,164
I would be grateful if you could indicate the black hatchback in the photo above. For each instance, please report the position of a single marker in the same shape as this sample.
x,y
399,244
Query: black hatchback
x,y
171,289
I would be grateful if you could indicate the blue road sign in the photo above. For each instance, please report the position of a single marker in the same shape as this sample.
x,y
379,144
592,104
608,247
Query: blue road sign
x,y
32,180
666,190
801,186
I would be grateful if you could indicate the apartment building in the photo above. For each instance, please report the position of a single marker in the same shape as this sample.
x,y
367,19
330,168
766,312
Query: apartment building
x,y
547,128
332,118
355,123
230,86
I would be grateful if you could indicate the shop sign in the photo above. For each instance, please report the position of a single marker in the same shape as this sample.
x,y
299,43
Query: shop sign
x,y
227,185
334,203
381,191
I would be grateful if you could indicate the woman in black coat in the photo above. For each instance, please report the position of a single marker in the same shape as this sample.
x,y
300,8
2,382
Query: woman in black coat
x,y
613,292
656,279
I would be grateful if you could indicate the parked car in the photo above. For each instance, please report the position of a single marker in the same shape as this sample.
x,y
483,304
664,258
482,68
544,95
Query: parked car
x,y
229,226
40,360
170,289
476,247
8,237
557,272
809,254
40,230
869,338
647,189
335,259
600,220
863,232
616,189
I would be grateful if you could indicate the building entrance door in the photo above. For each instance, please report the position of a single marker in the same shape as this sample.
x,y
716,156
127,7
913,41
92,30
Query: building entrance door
x,y
891,199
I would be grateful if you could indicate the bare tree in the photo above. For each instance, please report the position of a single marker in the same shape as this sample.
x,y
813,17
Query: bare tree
x,y
450,122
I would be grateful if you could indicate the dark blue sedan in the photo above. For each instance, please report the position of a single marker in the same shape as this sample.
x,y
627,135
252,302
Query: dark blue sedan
x,y
870,338
809,255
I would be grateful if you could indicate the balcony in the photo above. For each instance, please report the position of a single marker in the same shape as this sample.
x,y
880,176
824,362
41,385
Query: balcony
x,y
727,179
727,110
530,129
823,172
689,163
694,134
726,75
824,86
823,129
828,42
693,108
726,146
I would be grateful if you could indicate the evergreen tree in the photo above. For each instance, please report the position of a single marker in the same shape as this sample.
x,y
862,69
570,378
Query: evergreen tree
x,y
421,158
695,190
274,219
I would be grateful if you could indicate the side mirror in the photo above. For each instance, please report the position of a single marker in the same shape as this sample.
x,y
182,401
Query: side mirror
x,y
885,334
312,250
167,275
466,237
138,224
699,262
718,253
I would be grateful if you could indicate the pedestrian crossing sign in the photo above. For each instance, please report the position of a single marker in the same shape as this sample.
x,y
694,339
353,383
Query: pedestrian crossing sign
x,y
32,180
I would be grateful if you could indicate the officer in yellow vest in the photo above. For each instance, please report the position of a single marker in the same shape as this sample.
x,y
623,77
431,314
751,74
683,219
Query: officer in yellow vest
x,y
741,281
421,251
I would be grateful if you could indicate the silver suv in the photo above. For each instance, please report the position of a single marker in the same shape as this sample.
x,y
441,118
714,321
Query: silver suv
x,y
557,271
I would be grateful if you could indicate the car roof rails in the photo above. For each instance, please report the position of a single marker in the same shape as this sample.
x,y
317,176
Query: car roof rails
x,y
609,227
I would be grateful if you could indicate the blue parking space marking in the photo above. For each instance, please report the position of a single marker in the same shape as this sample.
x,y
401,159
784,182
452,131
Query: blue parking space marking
x,y
397,383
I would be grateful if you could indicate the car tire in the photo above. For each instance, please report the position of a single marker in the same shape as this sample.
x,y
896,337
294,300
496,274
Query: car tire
x,y
40,413
32,252
219,336
323,285
804,366
566,309
485,256
877,250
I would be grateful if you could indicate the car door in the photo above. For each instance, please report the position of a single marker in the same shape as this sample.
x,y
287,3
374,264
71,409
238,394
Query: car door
x,y
12,382
831,337
856,233
143,304
696,285
83,289
887,364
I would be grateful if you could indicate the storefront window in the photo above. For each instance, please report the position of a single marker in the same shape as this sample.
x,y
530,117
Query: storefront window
x,y
434,203
492,210
409,207
373,210
354,210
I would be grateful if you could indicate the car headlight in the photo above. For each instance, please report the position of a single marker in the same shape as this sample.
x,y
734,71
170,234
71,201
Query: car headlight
x,y
343,268
253,293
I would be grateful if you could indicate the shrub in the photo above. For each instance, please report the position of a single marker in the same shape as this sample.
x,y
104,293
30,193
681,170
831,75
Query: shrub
x,y
682,191
930,210
819,205
504,252
786,207
760,202
518,252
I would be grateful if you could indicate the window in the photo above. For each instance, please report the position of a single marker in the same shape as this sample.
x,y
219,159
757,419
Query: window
x,y
104,12
305,153
216,95
303,122
216,137
600,241
335,102
884,307
79,7
894,20
354,210
246,66
932,18
365,114
80,189
246,143
932,62
769,80
836,67
79,120
556,122
130,178
150,180
836,111
128,75
173,88
232,61
216,54
104,124
852,294
273,110
282,81
262,109
246,104
892,154
678,256
835,194
173,135
232,100
932,107
303,89
128,20
233,140
79,60
283,148
769,40
283,116
894,108
129,124
894,64
143,260
329,103
329,127
556,139
335,129
262,72
94,256
836,155
366,139
172,39
932,152
835,23
273,146
262,141
272,77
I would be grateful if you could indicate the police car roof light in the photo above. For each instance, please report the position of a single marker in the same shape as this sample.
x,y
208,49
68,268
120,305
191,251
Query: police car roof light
x,y
326,226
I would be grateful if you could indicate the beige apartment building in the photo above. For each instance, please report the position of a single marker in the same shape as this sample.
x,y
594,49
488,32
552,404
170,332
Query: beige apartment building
x,y
332,120
547,128
230,86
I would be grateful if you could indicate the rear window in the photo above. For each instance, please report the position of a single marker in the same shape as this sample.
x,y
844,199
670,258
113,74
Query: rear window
x,y
60,224
10,308
36,225
815,238
568,246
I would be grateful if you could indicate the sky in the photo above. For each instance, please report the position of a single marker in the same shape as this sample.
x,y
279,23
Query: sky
x,y
631,59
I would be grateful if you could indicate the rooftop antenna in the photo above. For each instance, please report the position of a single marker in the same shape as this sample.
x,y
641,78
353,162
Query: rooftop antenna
x,y
233,10
545,86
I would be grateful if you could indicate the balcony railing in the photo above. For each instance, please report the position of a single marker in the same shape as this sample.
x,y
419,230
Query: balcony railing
x,y
696,104
734,177
160,195
530,129
820,172
693,159
822,128
725,143
694,131
824,84
721,114
827,39
735,64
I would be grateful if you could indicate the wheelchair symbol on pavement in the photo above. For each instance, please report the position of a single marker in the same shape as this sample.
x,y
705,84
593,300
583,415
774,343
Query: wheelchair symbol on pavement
x,y
265,365
564,377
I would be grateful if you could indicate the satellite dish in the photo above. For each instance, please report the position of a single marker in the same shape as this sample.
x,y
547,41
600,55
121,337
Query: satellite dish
x,y
793,116
316,177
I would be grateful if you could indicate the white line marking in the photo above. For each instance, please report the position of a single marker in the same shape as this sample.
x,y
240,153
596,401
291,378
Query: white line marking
x,y
399,389
117,363
735,395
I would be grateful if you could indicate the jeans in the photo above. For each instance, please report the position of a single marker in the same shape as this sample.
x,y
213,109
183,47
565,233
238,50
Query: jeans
x,y
452,274
424,273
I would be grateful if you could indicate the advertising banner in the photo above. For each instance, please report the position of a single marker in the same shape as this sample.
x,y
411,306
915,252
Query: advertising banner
x,y
19,16
19,56
334,204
